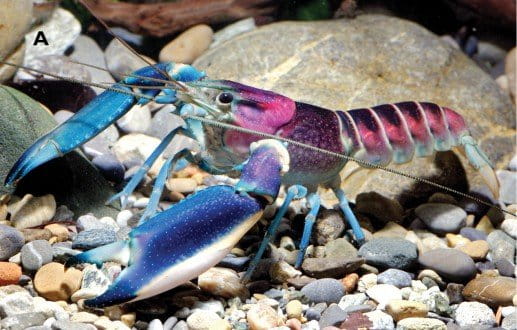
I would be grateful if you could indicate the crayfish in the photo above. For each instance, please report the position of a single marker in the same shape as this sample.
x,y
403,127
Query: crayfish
x,y
237,128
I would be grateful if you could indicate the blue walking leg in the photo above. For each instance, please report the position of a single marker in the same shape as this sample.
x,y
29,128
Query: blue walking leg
x,y
314,204
349,215
294,192
138,176
159,183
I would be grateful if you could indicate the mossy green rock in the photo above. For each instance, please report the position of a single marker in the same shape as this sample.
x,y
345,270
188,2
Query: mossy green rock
x,y
370,60
72,180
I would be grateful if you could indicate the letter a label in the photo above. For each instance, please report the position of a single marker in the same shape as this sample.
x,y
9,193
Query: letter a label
x,y
40,38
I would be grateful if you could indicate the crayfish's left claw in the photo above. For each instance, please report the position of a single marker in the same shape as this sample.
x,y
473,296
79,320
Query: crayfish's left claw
x,y
40,152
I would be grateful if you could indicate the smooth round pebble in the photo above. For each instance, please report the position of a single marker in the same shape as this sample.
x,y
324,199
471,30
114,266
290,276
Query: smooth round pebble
x,y
294,309
442,218
471,313
222,282
383,293
493,291
421,323
202,320
396,277
401,309
10,273
473,234
380,320
188,46
262,317
326,290
509,226
389,253
11,242
36,254
333,315
477,250
449,263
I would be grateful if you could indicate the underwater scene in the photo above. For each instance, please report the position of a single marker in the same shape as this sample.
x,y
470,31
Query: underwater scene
x,y
258,164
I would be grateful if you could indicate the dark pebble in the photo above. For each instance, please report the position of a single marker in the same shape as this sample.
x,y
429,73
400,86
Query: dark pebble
x,y
314,312
505,267
473,234
326,290
233,262
11,242
110,167
332,316
453,291
396,277
486,265
89,239
330,267
260,286
63,214
389,252
451,264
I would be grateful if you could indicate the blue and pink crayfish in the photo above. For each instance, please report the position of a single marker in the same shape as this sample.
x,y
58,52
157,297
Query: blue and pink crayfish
x,y
179,243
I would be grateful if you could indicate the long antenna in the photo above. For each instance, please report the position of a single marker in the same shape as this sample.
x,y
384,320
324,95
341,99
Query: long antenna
x,y
219,124
108,29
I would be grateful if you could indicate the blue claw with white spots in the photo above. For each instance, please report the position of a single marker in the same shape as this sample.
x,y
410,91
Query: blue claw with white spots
x,y
182,242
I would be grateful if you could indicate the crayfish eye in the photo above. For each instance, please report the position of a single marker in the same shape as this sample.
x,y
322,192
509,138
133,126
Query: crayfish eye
x,y
225,98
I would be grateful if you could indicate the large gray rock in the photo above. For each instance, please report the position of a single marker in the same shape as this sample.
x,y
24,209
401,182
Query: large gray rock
x,y
369,60
72,180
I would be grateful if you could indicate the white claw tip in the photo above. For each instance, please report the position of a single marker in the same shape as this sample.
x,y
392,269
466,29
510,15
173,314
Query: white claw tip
x,y
491,180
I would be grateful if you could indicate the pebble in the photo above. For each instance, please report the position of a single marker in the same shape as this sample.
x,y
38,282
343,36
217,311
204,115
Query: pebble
x,y
382,208
473,234
332,316
508,182
58,231
380,320
509,226
181,185
11,242
137,147
36,254
22,321
442,218
329,226
477,250
493,291
401,309
89,239
214,306
110,167
326,290
136,120
396,277
102,143
222,282
340,248
501,245
121,60
93,283
474,313
205,320
330,267
314,312
454,240
485,225
449,263
16,303
505,267
350,282
383,293
352,300
293,309
366,281
188,46
123,217
67,325
454,292
389,253
170,323
233,30
262,317
88,222
48,279
84,317
32,211
10,273
421,323
36,234
391,229
510,321
163,122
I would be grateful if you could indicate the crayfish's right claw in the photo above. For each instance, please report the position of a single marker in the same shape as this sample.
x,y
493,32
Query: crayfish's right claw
x,y
40,152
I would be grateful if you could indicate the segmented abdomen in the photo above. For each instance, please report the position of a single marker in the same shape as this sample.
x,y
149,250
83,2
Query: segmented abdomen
x,y
399,131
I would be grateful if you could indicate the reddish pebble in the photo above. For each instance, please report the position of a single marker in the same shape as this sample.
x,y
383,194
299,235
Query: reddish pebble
x,y
10,273
350,282
294,324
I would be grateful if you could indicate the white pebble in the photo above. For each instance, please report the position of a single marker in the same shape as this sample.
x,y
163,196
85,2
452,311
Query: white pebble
x,y
474,313
155,324
123,217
